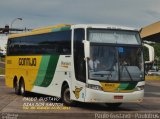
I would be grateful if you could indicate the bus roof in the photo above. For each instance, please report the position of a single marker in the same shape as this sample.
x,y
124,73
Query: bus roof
x,y
58,27
105,26
61,27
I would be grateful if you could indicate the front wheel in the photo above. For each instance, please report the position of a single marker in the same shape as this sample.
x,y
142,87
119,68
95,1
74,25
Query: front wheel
x,y
66,96
113,105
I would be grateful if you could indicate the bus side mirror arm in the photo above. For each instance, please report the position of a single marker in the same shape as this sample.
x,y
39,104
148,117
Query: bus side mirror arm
x,y
151,53
86,49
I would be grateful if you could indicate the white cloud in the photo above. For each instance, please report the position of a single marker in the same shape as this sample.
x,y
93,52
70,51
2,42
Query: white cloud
x,y
38,13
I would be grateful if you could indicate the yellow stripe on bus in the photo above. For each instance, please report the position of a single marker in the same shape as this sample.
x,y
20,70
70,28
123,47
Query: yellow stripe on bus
x,y
110,87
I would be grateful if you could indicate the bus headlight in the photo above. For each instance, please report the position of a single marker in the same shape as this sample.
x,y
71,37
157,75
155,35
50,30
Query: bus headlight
x,y
140,87
95,87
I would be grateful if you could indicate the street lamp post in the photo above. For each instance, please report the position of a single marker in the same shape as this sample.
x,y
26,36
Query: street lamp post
x,y
14,21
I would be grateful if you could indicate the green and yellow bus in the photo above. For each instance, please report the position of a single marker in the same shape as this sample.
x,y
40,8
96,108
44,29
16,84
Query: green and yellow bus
x,y
84,62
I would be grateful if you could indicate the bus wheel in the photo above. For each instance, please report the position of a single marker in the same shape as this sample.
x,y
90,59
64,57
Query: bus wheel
x,y
22,88
66,96
16,88
113,105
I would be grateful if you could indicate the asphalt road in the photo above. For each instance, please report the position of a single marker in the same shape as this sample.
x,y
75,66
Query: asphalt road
x,y
18,107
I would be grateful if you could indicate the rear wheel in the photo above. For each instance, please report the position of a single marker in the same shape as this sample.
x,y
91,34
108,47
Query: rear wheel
x,y
22,88
16,88
66,96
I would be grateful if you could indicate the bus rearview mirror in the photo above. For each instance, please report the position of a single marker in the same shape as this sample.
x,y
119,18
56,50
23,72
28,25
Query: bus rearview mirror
x,y
87,48
151,53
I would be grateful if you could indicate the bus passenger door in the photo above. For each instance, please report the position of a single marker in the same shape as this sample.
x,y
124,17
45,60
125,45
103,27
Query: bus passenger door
x,y
79,81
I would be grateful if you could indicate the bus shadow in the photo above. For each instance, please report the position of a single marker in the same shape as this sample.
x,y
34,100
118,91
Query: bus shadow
x,y
101,107
88,106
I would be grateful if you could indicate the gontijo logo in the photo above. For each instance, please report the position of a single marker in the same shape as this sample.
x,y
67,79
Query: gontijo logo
x,y
27,61
65,64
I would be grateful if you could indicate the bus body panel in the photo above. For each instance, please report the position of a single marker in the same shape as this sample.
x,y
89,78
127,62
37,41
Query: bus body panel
x,y
62,73
18,66
37,73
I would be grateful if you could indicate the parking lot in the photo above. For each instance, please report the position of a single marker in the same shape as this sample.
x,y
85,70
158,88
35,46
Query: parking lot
x,y
15,106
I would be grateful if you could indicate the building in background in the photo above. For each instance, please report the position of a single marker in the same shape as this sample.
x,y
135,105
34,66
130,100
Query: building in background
x,y
151,32
3,42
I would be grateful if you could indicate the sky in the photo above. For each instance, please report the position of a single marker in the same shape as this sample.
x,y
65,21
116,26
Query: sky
x,y
39,13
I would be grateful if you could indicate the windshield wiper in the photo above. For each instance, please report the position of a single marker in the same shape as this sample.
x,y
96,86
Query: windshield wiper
x,y
127,72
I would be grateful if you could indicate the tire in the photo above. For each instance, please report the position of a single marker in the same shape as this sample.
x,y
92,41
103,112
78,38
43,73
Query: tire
x,y
113,105
66,96
16,88
22,88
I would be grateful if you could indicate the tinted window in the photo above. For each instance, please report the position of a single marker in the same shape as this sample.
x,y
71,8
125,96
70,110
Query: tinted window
x,y
79,62
49,43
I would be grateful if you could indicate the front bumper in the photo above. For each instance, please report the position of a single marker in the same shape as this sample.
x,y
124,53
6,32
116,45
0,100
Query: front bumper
x,y
108,97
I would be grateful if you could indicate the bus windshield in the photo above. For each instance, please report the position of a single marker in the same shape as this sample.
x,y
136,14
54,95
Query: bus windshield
x,y
114,62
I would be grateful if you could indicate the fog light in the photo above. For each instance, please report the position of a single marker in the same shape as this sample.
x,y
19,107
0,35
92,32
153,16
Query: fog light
x,y
140,87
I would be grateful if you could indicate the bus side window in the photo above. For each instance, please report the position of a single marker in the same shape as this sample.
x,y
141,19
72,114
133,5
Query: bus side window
x,y
79,62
